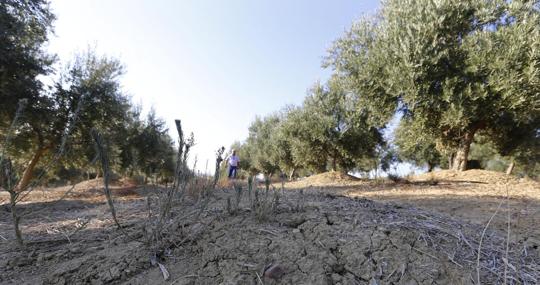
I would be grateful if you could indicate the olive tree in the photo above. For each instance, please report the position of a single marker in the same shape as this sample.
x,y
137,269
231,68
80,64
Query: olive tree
x,y
329,131
455,68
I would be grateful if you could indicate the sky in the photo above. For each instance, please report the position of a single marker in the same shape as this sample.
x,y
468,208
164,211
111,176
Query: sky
x,y
214,65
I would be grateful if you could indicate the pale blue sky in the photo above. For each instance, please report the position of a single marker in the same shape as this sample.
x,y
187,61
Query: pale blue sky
x,y
213,64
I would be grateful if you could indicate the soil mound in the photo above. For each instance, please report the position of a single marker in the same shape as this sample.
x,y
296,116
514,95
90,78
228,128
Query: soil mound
x,y
98,183
331,178
92,189
487,182
474,175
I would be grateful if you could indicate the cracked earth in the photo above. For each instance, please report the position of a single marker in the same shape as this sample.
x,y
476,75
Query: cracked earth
x,y
311,237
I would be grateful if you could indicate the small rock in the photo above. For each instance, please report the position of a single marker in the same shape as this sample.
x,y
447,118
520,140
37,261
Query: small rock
x,y
336,277
75,249
115,272
274,271
296,230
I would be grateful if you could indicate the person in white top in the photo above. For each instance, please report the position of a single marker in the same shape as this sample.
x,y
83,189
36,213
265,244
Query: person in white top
x,y
234,161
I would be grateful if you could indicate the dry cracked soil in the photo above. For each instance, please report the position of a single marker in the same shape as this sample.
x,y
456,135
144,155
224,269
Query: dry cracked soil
x,y
301,237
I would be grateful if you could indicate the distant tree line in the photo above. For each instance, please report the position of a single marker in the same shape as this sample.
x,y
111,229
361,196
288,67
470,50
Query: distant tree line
x,y
56,122
462,76
325,133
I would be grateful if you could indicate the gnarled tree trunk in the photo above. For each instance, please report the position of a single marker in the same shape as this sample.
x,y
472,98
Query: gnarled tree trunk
x,y
451,160
462,153
291,174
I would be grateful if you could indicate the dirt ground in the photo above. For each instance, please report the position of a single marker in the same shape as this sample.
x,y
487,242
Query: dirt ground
x,y
471,196
322,230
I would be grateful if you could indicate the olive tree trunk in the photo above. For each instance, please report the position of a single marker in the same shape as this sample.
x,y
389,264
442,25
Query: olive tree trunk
x,y
450,160
462,152
29,170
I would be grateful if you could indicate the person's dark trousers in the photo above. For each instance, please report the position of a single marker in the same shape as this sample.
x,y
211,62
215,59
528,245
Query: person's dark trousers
x,y
232,171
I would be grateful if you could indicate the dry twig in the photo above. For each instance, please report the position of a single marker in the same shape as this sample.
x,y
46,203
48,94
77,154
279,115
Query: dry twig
x,y
481,240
